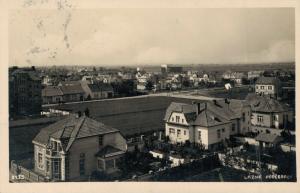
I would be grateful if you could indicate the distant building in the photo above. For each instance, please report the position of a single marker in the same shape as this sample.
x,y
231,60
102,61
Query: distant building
x,y
72,93
255,74
268,86
52,94
237,77
89,79
208,123
268,114
48,81
73,148
24,92
98,90
165,69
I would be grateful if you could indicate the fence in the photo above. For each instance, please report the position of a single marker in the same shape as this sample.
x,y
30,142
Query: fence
x,y
22,173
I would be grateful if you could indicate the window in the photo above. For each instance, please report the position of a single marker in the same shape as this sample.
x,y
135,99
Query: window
x,y
270,87
81,164
177,119
260,119
244,117
262,87
223,130
184,132
219,133
233,127
178,132
199,135
40,160
100,138
275,118
256,87
54,145
172,118
109,164
182,120
47,166
172,131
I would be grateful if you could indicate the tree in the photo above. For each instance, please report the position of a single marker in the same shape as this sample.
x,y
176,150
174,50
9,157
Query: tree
x,y
149,85
186,83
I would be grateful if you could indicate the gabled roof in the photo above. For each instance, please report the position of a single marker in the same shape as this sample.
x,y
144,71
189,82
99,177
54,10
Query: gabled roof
x,y
268,137
210,116
72,128
217,111
72,89
265,104
51,91
267,80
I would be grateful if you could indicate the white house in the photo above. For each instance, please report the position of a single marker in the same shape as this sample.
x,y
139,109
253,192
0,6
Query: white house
x,y
208,123
267,86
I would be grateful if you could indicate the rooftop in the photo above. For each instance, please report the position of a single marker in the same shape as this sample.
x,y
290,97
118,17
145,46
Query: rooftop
x,y
72,128
267,80
269,138
265,104
213,113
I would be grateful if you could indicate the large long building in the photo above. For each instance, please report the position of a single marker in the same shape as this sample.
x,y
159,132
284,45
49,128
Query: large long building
x,y
24,92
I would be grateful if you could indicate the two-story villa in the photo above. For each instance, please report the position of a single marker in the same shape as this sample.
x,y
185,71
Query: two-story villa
x,y
267,86
74,147
269,114
208,123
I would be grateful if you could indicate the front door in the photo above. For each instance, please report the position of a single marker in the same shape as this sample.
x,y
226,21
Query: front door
x,y
56,168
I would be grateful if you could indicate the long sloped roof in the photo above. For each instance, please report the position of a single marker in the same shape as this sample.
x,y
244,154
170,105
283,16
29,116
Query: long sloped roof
x,y
72,89
51,91
72,128
267,80
268,137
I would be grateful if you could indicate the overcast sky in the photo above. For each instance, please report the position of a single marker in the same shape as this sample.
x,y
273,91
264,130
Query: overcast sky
x,y
151,36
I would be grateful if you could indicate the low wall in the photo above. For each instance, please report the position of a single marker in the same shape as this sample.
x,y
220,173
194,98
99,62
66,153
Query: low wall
x,y
21,173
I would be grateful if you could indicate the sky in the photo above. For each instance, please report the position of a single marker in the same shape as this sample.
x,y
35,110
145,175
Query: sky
x,y
151,36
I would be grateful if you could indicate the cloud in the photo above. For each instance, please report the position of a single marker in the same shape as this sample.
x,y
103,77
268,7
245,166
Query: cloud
x,y
157,55
279,51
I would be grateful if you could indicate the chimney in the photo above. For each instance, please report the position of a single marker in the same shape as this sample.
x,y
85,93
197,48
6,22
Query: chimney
x,y
200,107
